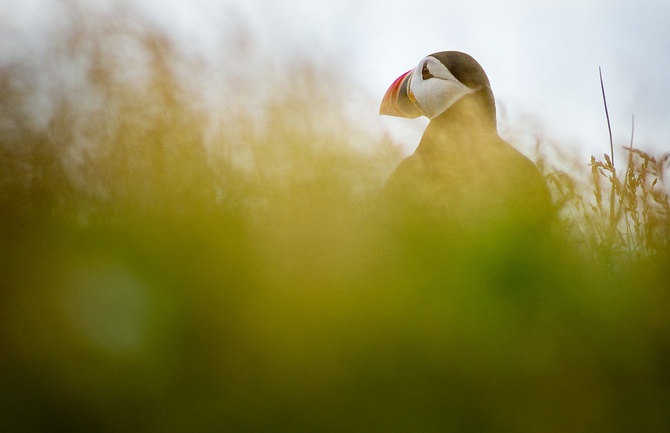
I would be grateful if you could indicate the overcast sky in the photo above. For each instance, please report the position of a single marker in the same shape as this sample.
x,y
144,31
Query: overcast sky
x,y
542,57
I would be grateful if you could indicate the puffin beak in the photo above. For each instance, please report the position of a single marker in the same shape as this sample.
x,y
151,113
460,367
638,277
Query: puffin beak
x,y
397,102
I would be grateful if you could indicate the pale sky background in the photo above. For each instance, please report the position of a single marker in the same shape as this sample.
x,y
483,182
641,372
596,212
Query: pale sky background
x,y
542,57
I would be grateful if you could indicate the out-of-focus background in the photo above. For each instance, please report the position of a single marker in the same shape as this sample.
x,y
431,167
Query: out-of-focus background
x,y
542,58
190,234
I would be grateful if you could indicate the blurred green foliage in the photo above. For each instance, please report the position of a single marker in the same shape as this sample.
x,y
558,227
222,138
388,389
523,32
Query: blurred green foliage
x,y
157,276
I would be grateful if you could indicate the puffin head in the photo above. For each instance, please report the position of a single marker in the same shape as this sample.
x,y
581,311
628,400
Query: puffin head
x,y
436,84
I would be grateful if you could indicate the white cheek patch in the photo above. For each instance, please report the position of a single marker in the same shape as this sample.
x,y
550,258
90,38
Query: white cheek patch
x,y
435,95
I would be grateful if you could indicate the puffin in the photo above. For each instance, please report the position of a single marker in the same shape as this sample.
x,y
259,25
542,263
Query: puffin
x,y
463,176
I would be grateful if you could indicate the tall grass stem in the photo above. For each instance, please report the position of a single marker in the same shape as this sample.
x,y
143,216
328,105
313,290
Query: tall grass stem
x,y
609,129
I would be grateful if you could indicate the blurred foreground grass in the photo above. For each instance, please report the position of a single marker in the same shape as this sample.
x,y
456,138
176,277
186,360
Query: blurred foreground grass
x,y
158,276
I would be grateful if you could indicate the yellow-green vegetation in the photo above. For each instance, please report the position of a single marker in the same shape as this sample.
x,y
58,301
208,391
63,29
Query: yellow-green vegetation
x,y
166,268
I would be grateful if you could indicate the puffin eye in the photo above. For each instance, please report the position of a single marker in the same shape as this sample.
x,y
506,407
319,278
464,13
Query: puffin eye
x,y
425,72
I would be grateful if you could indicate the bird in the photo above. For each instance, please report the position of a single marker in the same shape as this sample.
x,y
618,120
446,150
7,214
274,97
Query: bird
x,y
462,176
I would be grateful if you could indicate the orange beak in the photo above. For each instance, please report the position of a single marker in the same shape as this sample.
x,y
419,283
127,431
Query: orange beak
x,y
397,101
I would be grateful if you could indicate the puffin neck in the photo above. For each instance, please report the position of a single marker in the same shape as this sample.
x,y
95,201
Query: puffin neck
x,y
471,117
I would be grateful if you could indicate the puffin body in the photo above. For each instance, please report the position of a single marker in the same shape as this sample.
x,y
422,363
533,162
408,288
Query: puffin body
x,y
462,173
